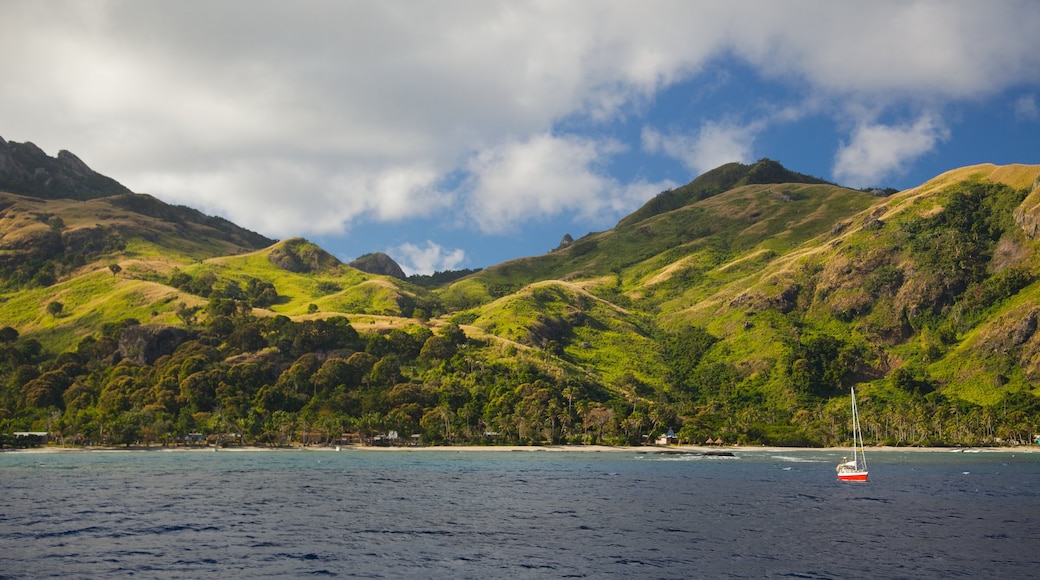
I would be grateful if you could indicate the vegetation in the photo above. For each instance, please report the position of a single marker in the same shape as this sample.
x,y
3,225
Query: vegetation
x,y
739,308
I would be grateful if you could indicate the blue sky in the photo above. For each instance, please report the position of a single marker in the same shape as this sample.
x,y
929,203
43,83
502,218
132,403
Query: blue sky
x,y
461,134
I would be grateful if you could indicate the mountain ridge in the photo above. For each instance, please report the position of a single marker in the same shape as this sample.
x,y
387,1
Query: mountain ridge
x,y
742,313
722,178
27,170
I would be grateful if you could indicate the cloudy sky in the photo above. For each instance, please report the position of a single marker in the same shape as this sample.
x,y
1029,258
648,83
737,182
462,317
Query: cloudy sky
x,y
460,134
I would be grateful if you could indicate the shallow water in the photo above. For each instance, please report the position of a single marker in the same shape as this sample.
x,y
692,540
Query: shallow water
x,y
492,514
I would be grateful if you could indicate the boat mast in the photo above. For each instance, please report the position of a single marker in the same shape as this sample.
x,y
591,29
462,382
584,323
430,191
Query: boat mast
x,y
857,436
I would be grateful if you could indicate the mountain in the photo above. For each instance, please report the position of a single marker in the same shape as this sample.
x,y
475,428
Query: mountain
x,y
738,220
25,169
740,307
35,231
718,180
58,213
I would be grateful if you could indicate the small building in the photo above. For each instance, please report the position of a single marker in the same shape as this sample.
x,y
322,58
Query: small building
x,y
668,438
349,439
387,440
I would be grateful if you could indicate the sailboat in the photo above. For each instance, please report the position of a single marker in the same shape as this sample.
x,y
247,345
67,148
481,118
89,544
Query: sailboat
x,y
856,469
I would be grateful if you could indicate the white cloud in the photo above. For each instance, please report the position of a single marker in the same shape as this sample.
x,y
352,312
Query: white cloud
x,y
427,259
1026,109
713,145
293,118
285,198
544,176
888,50
878,151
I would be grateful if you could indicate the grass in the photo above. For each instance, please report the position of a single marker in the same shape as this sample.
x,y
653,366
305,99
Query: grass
x,y
728,263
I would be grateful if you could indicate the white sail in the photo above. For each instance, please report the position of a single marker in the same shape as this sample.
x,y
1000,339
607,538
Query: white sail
x,y
856,468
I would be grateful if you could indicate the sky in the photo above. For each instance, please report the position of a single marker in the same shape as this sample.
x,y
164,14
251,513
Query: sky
x,y
462,134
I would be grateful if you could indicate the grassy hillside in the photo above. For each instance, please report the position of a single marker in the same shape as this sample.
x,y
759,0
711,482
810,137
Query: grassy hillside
x,y
915,290
122,256
641,257
742,306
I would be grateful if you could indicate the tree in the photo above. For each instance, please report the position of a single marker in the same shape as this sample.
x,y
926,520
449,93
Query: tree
x,y
186,313
333,373
361,364
54,308
340,333
386,371
115,268
437,348
403,344
46,390
297,378
198,391
453,334
245,338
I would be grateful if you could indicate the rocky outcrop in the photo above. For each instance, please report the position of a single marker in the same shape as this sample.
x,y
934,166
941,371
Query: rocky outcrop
x,y
380,264
566,241
1024,329
26,170
1027,215
300,256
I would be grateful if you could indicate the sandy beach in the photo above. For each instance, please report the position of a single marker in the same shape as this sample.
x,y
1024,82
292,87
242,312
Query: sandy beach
x,y
693,449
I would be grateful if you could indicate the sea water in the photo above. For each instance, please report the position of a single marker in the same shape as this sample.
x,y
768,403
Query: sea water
x,y
477,514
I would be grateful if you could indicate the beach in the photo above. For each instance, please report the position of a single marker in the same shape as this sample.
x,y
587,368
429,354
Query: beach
x,y
692,449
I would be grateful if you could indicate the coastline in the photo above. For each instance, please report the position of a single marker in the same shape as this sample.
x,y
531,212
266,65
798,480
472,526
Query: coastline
x,y
676,449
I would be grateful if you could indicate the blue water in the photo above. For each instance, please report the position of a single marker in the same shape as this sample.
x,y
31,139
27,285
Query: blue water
x,y
444,514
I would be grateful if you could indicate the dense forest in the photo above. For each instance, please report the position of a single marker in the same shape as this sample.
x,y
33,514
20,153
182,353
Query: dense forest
x,y
238,379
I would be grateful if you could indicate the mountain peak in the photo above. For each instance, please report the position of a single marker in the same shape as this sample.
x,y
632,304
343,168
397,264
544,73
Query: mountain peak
x,y
26,170
718,180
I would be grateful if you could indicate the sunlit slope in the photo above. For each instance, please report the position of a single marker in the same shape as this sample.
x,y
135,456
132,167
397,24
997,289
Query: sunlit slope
x,y
88,302
131,256
935,286
565,323
310,280
640,258
30,223
793,289
100,261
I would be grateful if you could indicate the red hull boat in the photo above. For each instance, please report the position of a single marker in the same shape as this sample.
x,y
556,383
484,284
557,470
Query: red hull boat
x,y
856,469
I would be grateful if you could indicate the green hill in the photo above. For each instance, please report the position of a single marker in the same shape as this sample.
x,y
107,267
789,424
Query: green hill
x,y
739,307
718,180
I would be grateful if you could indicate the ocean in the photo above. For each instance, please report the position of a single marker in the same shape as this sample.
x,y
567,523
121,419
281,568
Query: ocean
x,y
527,514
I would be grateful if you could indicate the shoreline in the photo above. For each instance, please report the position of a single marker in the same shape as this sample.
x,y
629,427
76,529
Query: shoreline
x,y
675,449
